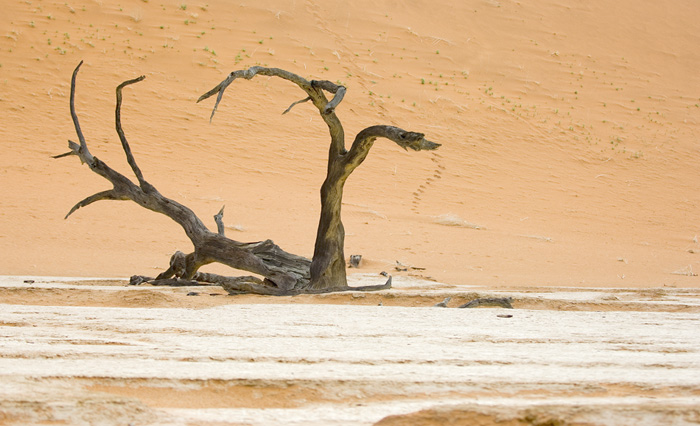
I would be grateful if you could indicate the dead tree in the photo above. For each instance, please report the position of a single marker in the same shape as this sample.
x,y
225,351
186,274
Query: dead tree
x,y
284,273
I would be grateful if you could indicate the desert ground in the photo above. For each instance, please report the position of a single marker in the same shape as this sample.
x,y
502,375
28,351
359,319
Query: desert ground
x,y
567,179
104,352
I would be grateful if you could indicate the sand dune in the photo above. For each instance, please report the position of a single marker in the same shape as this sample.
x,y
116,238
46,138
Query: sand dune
x,y
569,134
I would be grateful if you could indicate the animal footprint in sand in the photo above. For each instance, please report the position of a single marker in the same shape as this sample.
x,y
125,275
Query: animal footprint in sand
x,y
437,174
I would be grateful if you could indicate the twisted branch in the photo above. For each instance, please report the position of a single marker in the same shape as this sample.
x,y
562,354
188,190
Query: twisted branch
x,y
328,264
365,139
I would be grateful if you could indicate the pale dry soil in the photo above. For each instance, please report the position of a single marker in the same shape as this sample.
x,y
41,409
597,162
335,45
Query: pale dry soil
x,y
102,352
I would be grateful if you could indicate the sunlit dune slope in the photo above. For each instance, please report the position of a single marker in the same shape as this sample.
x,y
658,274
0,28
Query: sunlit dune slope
x,y
569,134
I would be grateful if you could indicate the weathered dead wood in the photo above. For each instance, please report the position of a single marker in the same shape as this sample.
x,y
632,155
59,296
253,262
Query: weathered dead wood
x,y
245,285
280,268
503,302
295,104
219,219
328,263
169,282
282,273
443,304
355,260
236,286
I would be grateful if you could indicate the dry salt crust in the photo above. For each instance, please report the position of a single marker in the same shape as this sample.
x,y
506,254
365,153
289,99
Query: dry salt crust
x,y
421,357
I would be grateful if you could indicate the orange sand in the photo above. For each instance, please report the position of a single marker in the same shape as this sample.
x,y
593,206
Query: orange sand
x,y
570,134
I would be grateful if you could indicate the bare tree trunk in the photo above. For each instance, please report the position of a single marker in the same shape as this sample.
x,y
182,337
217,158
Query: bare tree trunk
x,y
328,262
284,273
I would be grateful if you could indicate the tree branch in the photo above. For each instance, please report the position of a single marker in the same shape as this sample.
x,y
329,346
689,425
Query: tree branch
x,y
238,285
249,74
104,195
74,150
66,154
82,151
295,104
125,189
365,139
312,88
169,282
339,95
220,90
245,285
125,144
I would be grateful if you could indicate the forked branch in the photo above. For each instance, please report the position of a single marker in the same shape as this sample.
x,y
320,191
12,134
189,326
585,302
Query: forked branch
x,y
249,74
310,87
281,270
314,89
295,104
